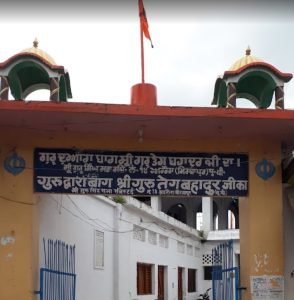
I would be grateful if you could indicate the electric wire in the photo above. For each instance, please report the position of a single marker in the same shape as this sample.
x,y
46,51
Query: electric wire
x,y
140,224
95,225
17,201
85,215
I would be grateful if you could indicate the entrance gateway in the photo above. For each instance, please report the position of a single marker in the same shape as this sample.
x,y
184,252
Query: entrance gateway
x,y
144,125
156,173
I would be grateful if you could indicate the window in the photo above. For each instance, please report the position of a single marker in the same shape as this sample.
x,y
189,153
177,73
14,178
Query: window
x,y
152,237
163,241
208,273
139,233
181,247
189,249
144,279
178,212
99,249
192,280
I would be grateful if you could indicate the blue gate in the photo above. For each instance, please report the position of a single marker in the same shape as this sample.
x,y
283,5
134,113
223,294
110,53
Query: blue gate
x,y
58,278
225,277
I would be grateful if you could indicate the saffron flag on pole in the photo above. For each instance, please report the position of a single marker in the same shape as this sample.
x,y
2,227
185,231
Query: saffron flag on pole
x,y
144,22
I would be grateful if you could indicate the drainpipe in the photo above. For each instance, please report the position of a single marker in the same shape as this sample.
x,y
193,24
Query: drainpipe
x,y
122,254
117,213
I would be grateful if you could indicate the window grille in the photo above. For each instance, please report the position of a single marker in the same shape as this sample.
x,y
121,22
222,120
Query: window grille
x,y
163,241
181,247
99,249
189,249
139,233
152,237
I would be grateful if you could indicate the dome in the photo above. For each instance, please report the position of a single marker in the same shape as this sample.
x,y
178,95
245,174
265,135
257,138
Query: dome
x,y
246,60
35,50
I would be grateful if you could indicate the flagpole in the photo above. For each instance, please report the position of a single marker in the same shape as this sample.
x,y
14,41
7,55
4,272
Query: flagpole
x,y
143,93
142,52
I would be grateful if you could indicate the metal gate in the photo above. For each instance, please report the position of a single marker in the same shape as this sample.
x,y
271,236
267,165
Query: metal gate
x,y
58,278
225,277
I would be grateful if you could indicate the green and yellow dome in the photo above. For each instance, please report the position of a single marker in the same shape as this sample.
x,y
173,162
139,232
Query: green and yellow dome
x,y
245,60
36,51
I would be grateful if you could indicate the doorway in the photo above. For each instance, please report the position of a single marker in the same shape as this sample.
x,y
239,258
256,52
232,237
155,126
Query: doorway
x,y
161,283
180,283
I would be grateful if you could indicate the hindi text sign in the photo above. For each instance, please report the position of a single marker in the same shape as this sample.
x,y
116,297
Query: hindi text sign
x,y
140,173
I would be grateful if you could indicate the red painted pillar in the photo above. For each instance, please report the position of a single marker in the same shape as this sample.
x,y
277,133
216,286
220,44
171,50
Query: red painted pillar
x,y
4,88
231,100
54,89
279,95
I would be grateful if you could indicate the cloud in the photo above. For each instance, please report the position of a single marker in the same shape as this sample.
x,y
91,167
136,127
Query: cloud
x,y
103,54
160,10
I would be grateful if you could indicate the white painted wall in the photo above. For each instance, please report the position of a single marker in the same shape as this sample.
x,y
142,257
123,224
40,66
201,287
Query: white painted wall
x,y
56,222
143,251
73,218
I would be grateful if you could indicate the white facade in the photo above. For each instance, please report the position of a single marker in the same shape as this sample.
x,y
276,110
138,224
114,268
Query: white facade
x,y
60,218
133,232
289,243
137,233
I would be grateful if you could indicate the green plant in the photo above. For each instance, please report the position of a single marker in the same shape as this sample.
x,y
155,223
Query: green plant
x,y
202,236
119,199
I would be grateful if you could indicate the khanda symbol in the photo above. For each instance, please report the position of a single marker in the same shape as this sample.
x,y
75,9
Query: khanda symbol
x,y
265,169
14,164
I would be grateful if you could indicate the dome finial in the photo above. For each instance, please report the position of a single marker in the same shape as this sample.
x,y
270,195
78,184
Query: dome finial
x,y
35,43
248,51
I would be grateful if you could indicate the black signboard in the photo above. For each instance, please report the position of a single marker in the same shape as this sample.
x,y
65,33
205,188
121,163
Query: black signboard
x,y
140,173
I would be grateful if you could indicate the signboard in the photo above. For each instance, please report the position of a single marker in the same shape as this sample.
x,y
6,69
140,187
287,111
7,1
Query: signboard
x,y
267,287
140,173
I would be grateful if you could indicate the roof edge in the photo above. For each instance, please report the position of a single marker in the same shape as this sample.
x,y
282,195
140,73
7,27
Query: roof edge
x,y
139,110
285,76
32,55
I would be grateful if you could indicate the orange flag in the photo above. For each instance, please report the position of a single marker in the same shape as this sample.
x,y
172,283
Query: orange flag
x,y
144,22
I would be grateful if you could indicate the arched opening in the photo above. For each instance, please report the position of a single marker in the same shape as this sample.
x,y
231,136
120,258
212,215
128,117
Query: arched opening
x,y
215,222
244,103
233,214
179,212
231,220
41,95
256,86
215,216
26,77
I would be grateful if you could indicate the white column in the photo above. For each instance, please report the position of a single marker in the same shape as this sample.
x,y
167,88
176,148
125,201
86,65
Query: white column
x,y
207,214
156,203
